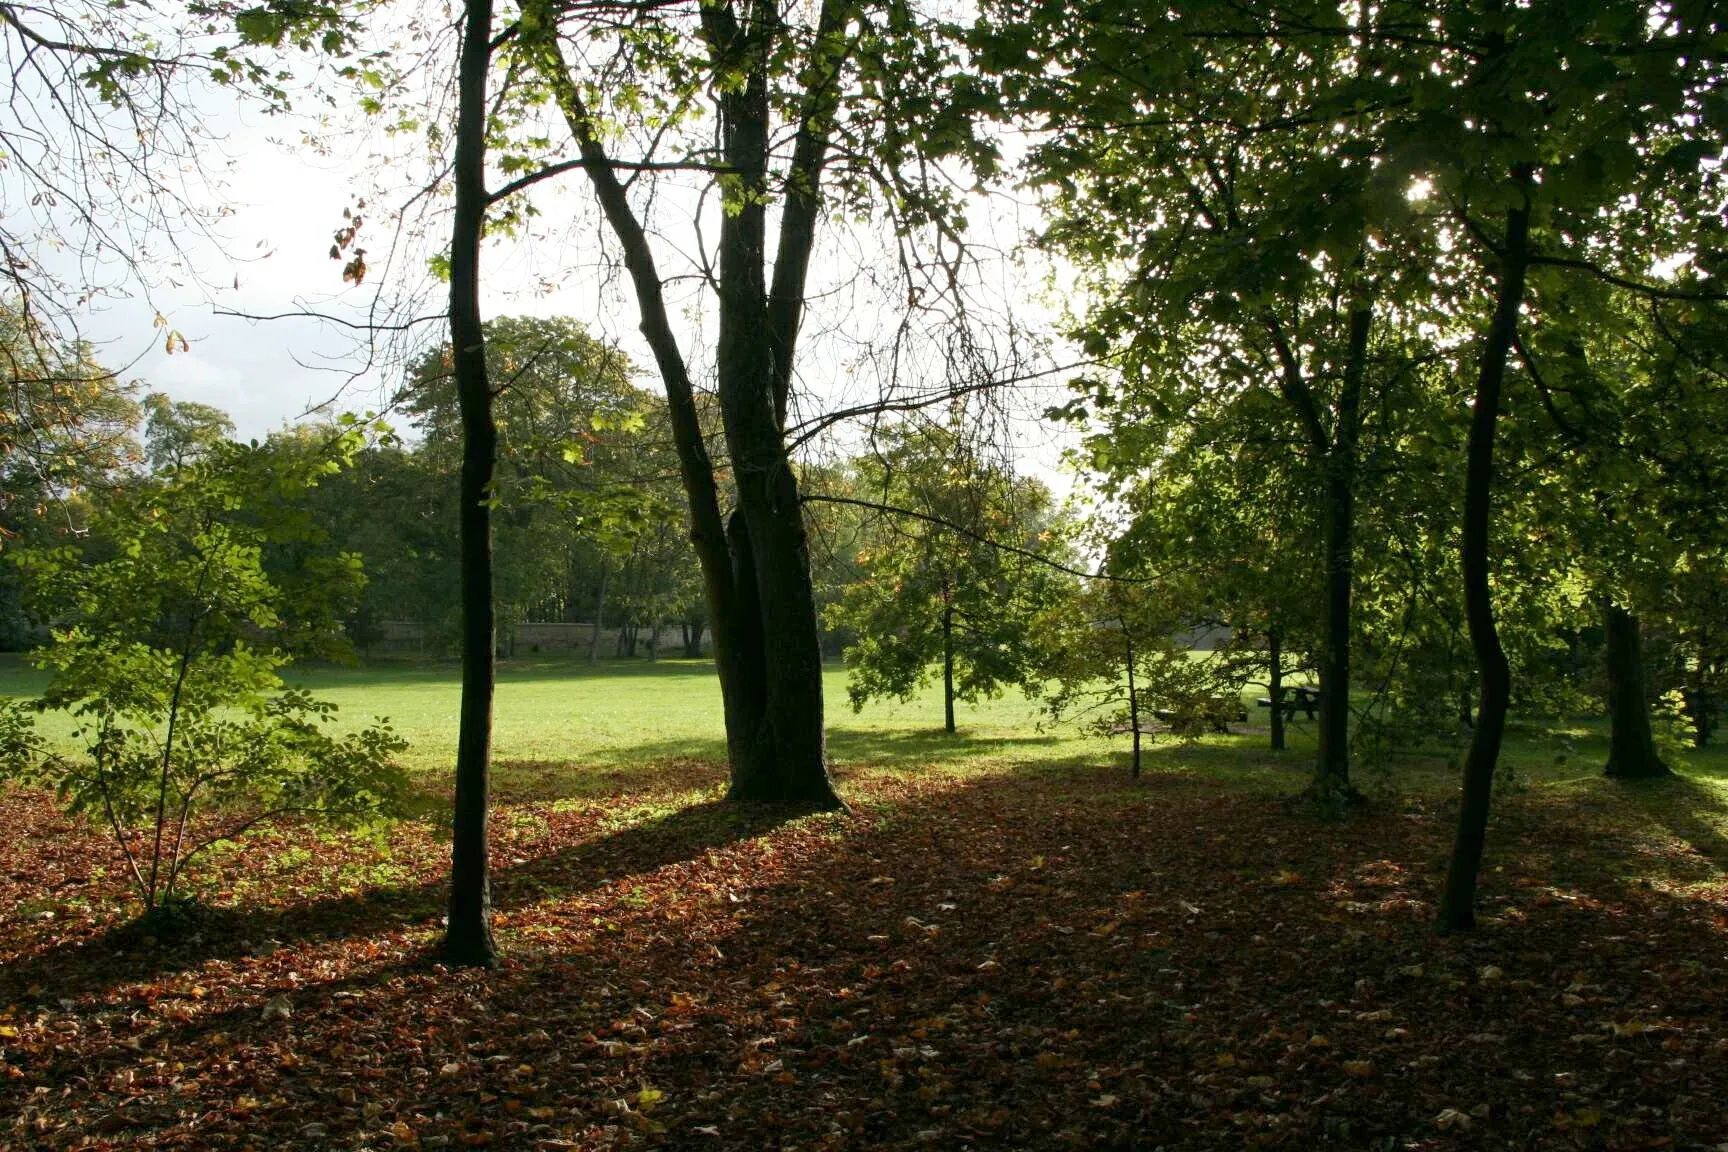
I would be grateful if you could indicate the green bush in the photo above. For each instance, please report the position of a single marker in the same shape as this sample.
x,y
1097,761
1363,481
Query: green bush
x,y
168,637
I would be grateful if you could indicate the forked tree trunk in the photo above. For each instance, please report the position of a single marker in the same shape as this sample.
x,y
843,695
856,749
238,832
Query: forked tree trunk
x,y
788,763
468,935
1631,740
756,571
1458,902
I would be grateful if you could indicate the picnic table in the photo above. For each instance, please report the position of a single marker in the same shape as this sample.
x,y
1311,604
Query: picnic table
x,y
1293,698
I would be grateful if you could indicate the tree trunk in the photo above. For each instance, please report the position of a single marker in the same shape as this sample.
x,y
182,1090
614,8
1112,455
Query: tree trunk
x,y
1332,764
468,936
1458,902
1133,696
948,668
1275,686
599,613
789,761
1701,702
755,571
1631,741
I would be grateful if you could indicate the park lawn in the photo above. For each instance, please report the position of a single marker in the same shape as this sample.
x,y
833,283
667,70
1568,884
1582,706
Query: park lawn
x,y
1005,943
563,715
559,716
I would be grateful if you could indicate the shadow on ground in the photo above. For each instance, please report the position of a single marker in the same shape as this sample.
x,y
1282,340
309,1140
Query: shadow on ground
x,y
1033,960
118,956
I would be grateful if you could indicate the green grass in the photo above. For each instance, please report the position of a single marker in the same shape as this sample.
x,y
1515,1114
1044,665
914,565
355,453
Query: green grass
x,y
551,711
566,727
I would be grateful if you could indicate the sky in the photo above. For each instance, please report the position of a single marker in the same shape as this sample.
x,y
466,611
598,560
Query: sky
x,y
269,255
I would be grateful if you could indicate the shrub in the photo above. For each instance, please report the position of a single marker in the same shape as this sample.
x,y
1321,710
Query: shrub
x,y
168,635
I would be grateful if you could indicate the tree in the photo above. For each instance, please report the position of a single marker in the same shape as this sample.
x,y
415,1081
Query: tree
x,y
66,427
1241,243
938,586
1111,653
1220,520
783,95
168,638
1529,91
585,473
468,932
177,432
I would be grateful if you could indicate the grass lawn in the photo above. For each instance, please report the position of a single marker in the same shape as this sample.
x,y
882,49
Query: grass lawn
x,y
1005,943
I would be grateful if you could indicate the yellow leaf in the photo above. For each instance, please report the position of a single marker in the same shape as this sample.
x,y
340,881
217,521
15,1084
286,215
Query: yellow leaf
x,y
8,1032
1226,1060
1360,1068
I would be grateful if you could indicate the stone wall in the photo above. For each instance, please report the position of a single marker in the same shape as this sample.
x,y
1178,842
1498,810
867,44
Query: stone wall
x,y
411,638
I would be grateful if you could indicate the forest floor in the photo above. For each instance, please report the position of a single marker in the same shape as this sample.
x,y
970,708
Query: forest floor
x,y
997,950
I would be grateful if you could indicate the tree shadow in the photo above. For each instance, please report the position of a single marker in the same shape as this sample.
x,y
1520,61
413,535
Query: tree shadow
x,y
1011,962
119,955
659,768
1694,813
852,747
685,764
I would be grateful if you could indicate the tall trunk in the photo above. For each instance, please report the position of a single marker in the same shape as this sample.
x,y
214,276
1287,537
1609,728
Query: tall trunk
x,y
1275,685
756,576
1631,741
947,666
599,613
1457,903
468,936
1332,764
790,764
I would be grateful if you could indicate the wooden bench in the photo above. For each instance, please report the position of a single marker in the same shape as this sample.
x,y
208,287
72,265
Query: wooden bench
x,y
1297,697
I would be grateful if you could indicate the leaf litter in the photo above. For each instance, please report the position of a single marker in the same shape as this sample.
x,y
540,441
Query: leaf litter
x,y
1048,960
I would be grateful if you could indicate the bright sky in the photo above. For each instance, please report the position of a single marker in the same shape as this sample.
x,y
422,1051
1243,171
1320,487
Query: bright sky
x,y
283,202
